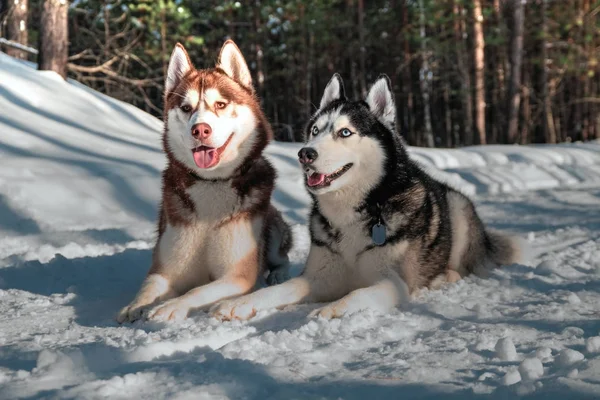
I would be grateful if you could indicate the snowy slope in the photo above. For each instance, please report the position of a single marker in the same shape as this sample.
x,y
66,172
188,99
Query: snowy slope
x,y
79,185
501,169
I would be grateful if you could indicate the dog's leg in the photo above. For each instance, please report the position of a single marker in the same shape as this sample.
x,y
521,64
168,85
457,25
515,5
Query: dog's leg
x,y
169,257
388,291
322,280
155,288
239,278
178,308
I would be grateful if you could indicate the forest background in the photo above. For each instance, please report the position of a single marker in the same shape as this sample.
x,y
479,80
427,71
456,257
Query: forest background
x,y
463,71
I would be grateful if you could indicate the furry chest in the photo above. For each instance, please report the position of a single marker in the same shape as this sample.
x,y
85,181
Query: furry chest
x,y
350,241
214,201
200,252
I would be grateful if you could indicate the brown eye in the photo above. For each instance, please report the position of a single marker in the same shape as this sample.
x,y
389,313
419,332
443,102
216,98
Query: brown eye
x,y
186,108
219,105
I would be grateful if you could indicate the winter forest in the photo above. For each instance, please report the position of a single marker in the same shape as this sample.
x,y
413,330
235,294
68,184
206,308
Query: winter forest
x,y
464,71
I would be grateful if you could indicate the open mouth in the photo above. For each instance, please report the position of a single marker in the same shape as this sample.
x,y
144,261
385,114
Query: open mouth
x,y
206,157
316,180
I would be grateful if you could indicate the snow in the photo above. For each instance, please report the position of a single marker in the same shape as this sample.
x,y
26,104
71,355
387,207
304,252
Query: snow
x,y
511,377
79,185
568,357
505,350
592,345
531,369
501,169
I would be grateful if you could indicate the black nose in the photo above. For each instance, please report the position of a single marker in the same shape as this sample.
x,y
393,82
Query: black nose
x,y
307,155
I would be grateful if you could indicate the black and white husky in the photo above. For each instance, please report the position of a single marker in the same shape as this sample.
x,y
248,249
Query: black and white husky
x,y
381,227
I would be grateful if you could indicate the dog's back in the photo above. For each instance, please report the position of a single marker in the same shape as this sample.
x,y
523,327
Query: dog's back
x,y
475,248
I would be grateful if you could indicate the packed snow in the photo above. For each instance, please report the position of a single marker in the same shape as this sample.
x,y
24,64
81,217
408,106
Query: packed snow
x,y
79,188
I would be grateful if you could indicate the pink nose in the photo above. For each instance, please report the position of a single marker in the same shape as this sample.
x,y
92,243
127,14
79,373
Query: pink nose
x,y
201,131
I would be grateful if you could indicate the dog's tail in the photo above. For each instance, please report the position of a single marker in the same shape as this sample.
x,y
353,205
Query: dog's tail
x,y
503,249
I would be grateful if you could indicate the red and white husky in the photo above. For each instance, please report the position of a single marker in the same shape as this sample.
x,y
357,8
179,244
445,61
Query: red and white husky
x,y
217,229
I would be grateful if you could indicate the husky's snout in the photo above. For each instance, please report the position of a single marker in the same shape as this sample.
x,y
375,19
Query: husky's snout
x,y
201,131
307,155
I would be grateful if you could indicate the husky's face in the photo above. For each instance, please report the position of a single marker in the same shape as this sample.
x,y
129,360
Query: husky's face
x,y
211,116
347,143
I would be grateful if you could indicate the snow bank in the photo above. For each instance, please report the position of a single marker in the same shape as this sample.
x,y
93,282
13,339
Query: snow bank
x,y
76,165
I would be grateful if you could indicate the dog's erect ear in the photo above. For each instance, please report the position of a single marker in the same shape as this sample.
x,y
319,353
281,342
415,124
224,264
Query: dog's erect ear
x,y
233,63
179,65
333,91
381,101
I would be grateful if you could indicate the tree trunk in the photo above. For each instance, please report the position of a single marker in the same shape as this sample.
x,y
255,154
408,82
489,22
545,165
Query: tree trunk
x,y
362,50
465,76
447,114
589,55
516,59
424,78
526,129
260,74
408,113
548,120
351,54
163,38
564,112
478,56
54,45
500,59
497,65
594,116
309,73
16,29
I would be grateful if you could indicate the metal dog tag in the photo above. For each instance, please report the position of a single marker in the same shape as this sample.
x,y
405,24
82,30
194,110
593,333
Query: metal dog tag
x,y
378,234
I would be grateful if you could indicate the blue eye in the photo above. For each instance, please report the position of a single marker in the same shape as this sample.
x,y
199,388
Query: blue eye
x,y
314,130
345,132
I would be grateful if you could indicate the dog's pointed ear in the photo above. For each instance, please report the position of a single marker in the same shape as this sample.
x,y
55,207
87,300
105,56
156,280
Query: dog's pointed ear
x,y
333,91
179,65
381,101
233,63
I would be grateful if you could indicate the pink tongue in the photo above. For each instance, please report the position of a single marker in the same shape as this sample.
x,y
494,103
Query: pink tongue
x,y
205,158
315,179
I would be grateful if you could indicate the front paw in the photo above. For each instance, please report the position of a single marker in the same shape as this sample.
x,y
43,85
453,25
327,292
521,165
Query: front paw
x,y
233,309
131,313
330,311
278,275
173,310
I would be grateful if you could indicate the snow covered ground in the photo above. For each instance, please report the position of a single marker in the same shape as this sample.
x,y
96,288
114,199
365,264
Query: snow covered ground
x,y
79,185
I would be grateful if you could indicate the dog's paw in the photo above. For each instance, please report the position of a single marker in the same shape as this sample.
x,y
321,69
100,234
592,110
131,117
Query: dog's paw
x,y
330,311
278,275
131,313
172,310
233,309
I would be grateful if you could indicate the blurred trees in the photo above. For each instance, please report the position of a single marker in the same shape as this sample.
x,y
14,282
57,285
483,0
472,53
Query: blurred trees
x,y
464,71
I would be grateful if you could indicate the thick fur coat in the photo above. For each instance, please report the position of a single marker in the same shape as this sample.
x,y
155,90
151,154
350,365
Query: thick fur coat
x,y
381,227
217,229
